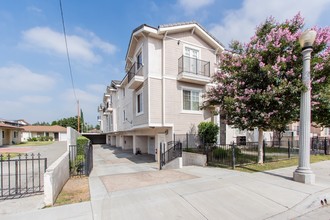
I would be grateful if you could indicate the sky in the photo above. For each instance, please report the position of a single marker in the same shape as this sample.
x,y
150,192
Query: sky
x,y
35,82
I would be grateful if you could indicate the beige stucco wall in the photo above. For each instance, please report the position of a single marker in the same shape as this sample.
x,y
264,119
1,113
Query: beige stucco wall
x,y
154,56
155,101
175,115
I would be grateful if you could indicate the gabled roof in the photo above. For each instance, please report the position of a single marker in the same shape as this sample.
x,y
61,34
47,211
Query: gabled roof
x,y
175,27
40,128
189,23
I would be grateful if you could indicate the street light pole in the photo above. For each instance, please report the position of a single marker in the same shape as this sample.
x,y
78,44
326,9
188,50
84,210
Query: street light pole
x,y
303,173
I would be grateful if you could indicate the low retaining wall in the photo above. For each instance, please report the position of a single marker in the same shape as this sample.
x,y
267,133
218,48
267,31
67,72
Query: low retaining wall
x,y
55,178
174,164
193,159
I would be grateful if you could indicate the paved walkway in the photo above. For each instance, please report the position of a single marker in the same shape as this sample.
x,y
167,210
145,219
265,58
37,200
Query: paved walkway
x,y
126,186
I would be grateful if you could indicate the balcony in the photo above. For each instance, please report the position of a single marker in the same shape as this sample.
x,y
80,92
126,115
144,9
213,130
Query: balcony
x,y
193,70
108,107
135,76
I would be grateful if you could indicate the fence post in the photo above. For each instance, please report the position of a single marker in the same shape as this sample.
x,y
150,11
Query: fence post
x,y
16,177
325,146
289,152
264,151
233,155
160,156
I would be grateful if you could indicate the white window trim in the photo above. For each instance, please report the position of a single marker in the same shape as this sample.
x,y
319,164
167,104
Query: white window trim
x,y
192,47
139,50
140,92
198,112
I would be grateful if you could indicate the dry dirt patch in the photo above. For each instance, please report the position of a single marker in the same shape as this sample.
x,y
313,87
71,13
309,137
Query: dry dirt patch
x,y
74,191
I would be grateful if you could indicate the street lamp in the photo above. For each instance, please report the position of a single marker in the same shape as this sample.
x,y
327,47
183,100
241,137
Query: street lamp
x,y
304,173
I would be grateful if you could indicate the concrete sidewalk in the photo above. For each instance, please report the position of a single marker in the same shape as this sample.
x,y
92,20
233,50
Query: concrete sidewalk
x,y
194,193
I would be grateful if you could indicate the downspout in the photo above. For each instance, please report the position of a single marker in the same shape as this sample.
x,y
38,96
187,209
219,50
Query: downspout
x,y
163,80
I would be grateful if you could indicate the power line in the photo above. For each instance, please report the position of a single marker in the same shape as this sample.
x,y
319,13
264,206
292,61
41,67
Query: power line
x,y
67,52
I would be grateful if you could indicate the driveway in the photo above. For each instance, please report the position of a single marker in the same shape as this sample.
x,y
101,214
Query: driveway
x,y
121,170
52,151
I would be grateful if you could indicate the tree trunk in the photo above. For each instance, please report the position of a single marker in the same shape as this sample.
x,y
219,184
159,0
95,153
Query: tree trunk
x,y
260,143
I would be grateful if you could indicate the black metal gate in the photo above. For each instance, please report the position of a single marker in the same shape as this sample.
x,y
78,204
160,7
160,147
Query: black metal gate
x,y
81,159
21,175
174,151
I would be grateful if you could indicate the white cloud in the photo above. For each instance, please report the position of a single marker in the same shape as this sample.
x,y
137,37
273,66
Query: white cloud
x,y
19,78
35,99
46,39
190,6
240,24
34,9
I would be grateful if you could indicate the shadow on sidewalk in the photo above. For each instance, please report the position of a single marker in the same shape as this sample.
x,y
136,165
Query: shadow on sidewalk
x,y
269,173
128,154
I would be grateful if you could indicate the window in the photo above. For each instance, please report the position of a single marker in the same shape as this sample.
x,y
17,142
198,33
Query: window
x,y
124,114
191,100
297,129
139,60
3,134
191,62
123,92
15,134
139,103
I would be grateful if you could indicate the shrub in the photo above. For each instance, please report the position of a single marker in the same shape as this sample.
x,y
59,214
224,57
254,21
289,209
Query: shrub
x,y
221,153
208,132
81,143
32,139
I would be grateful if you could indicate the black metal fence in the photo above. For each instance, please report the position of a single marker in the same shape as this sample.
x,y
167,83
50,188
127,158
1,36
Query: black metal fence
x,y
174,150
21,175
247,153
193,66
81,159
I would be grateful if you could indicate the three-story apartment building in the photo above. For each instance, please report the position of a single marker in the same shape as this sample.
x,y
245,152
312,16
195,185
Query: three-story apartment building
x,y
168,70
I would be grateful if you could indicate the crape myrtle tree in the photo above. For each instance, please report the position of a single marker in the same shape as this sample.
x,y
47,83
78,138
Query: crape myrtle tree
x,y
258,84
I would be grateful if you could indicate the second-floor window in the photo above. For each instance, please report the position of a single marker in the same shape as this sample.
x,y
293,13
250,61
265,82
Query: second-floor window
x,y
139,60
124,114
139,103
190,100
191,62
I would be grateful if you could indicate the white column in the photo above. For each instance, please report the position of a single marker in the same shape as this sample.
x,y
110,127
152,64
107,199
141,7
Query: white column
x,y
304,173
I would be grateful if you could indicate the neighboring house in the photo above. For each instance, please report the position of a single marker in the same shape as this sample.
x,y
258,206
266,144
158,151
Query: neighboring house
x,y
55,131
9,134
293,129
17,123
168,70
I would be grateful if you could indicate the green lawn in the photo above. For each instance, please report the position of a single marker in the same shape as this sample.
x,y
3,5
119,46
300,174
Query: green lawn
x,y
5,155
279,164
34,143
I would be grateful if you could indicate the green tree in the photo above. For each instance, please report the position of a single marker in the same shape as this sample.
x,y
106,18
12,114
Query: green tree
x,y
208,132
259,84
67,122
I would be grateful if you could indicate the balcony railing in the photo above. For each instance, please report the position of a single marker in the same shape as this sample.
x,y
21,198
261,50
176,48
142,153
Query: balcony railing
x,y
194,66
135,70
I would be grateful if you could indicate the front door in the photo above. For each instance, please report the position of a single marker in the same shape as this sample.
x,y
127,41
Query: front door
x,y
151,145
56,136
